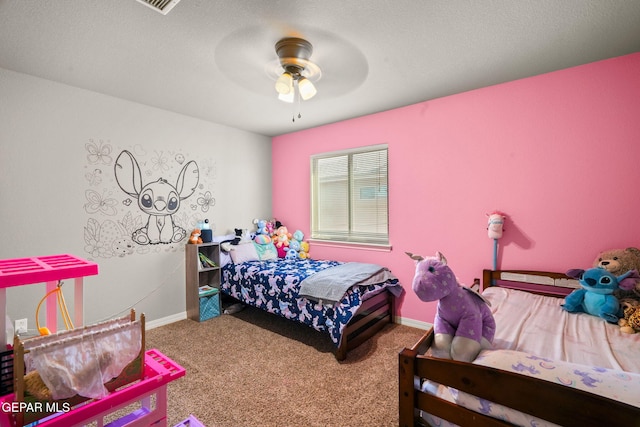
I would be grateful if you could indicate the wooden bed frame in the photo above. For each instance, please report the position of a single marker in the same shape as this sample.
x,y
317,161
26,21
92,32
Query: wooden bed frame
x,y
372,315
549,401
370,318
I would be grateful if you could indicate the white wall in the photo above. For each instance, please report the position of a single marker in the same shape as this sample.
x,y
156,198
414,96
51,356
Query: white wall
x,y
48,189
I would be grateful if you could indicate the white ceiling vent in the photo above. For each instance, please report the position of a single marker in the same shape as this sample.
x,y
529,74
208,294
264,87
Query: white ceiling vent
x,y
162,6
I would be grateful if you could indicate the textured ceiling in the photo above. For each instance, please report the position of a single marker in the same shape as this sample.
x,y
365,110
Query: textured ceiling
x,y
210,59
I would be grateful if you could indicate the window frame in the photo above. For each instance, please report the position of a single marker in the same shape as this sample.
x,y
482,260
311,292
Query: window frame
x,y
349,238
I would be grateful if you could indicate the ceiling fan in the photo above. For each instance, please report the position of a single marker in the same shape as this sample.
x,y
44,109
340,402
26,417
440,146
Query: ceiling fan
x,y
256,57
298,72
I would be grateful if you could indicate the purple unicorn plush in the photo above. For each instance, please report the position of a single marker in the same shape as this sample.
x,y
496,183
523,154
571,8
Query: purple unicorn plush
x,y
463,324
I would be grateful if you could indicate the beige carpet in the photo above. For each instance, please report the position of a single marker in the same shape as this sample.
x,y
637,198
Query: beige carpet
x,y
256,369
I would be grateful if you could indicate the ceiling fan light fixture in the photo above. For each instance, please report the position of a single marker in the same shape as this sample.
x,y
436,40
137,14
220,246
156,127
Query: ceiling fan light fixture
x,y
297,73
284,84
306,88
289,97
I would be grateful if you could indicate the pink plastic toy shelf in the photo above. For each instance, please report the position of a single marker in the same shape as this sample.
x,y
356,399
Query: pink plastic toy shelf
x,y
49,270
159,371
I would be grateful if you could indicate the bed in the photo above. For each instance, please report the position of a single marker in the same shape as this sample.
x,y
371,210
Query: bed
x,y
274,285
546,367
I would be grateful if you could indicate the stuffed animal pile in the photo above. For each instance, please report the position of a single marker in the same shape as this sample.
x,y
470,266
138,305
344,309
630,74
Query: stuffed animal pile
x,y
298,248
463,324
288,245
610,289
619,261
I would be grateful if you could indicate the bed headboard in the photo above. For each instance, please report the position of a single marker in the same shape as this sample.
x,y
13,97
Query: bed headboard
x,y
539,282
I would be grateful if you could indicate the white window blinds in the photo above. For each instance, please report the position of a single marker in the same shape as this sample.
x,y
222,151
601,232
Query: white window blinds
x,y
349,196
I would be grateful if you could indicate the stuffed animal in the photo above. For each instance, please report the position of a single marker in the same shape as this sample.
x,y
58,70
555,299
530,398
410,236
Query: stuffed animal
x,y
463,324
242,235
495,224
195,237
245,236
295,245
304,250
270,226
291,253
630,322
261,226
281,240
262,239
275,224
262,233
617,262
596,294
298,235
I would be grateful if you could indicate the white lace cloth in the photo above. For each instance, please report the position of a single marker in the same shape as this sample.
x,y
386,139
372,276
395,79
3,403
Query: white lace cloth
x,y
82,360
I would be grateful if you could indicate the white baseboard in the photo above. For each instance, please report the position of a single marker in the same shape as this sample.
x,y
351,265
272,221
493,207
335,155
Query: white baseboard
x,y
413,323
165,320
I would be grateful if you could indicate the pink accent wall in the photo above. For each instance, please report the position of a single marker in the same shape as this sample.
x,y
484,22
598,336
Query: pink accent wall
x,y
559,153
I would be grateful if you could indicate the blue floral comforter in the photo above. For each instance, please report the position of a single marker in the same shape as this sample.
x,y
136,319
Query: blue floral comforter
x,y
273,286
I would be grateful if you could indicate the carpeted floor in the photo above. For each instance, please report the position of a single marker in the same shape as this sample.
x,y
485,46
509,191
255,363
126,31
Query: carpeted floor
x,y
256,369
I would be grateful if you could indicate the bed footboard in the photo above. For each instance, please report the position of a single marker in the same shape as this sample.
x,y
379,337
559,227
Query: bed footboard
x,y
370,318
543,399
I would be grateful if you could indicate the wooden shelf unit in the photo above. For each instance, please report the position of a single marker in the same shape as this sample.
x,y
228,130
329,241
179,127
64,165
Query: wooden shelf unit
x,y
197,276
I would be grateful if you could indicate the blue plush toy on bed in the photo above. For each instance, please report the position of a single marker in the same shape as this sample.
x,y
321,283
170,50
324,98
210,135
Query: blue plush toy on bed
x,y
596,295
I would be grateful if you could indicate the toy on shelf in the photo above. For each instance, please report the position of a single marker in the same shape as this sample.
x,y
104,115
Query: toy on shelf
x,y
195,238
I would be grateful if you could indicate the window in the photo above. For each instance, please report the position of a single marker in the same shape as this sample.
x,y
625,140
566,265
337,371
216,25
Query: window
x,y
349,196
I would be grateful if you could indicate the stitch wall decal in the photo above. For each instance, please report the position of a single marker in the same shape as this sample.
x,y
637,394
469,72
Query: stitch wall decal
x,y
158,199
143,202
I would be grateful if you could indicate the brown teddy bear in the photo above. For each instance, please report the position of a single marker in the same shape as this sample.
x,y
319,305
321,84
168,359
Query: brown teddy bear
x,y
619,261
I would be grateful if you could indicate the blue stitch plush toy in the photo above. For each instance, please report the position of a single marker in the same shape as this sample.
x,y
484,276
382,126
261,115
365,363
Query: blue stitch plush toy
x,y
596,294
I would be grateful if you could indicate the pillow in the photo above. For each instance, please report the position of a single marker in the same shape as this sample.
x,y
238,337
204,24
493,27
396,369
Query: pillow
x,y
262,239
225,258
243,253
266,252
